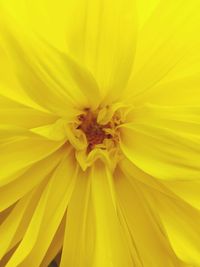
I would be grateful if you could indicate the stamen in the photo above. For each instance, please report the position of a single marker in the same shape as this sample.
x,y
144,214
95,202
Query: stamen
x,y
94,132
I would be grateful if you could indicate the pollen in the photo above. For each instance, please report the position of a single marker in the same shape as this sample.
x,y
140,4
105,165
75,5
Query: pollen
x,y
95,133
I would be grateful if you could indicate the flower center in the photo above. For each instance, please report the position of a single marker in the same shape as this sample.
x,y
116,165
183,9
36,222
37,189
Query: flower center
x,y
95,132
95,135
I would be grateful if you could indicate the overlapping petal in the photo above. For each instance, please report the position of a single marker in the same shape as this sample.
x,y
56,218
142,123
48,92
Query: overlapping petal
x,y
12,191
168,48
17,115
144,227
47,216
100,240
164,141
15,225
181,225
101,34
20,153
52,79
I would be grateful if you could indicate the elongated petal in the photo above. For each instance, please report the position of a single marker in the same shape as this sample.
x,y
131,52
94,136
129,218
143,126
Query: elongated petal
x,y
78,246
51,17
101,241
168,46
15,225
180,91
111,246
16,189
14,113
164,141
108,42
56,245
9,84
51,78
188,191
46,221
103,37
4,214
133,173
9,226
18,154
143,227
181,223
145,10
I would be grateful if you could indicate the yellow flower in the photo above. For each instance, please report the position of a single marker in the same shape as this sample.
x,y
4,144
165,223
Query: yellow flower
x,y
100,133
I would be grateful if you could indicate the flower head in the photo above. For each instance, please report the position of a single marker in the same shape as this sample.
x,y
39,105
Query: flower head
x,y
99,133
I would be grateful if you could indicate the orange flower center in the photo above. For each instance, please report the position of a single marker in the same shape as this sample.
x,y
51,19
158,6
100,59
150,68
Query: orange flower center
x,y
94,132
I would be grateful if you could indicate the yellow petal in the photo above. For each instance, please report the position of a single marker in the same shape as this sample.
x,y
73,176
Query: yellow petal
x,y
108,42
111,248
16,189
188,191
180,91
149,246
47,216
56,245
55,131
20,115
15,225
51,18
4,214
133,173
103,37
95,236
164,141
146,9
18,154
9,84
79,236
9,227
51,78
166,44
6,258
10,133
181,224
